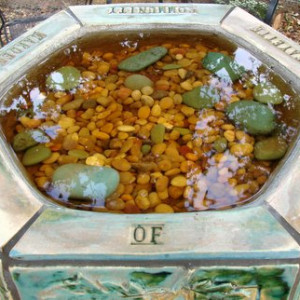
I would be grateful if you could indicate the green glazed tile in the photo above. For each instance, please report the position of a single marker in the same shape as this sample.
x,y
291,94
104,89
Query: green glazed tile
x,y
17,206
240,233
86,283
4,293
165,283
244,283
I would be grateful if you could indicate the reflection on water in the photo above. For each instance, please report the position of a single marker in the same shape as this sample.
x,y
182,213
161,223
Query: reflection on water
x,y
215,179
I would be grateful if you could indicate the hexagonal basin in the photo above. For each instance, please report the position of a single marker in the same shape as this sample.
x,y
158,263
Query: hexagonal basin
x,y
190,122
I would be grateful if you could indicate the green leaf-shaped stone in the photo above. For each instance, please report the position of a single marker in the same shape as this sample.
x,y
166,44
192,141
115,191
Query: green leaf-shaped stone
x,y
256,118
267,93
201,97
270,149
29,138
222,65
63,79
137,82
36,155
143,59
84,182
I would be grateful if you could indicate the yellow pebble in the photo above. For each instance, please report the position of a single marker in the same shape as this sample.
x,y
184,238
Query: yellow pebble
x,y
229,135
66,122
30,123
121,164
123,135
172,172
88,75
136,95
143,178
227,127
142,202
187,111
165,165
156,110
100,135
42,182
174,135
191,156
182,73
178,56
163,209
241,188
163,195
73,129
179,181
154,199
126,128
147,90
241,149
177,99
144,112
96,160
147,100
166,103
52,159
158,149
186,85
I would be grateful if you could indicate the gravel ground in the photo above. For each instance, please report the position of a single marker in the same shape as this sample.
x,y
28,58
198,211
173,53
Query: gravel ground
x,y
286,20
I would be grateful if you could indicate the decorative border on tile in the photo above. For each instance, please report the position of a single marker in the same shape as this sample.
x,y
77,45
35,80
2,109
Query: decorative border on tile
x,y
277,41
268,282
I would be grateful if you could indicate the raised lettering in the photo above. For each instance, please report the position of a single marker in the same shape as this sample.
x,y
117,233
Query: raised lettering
x,y
147,234
139,234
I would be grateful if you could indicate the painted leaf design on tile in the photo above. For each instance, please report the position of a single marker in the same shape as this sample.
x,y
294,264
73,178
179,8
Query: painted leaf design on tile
x,y
146,279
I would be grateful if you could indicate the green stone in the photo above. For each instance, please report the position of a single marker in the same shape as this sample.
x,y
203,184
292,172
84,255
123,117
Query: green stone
x,y
201,97
146,149
171,67
220,144
63,79
81,154
158,133
36,155
143,59
182,130
222,65
256,118
79,181
270,149
29,138
267,93
137,82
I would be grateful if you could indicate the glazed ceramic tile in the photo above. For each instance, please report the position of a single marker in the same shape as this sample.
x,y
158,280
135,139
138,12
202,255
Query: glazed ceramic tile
x,y
17,206
97,283
241,233
4,293
171,283
288,189
40,41
156,13
261,282
248,29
